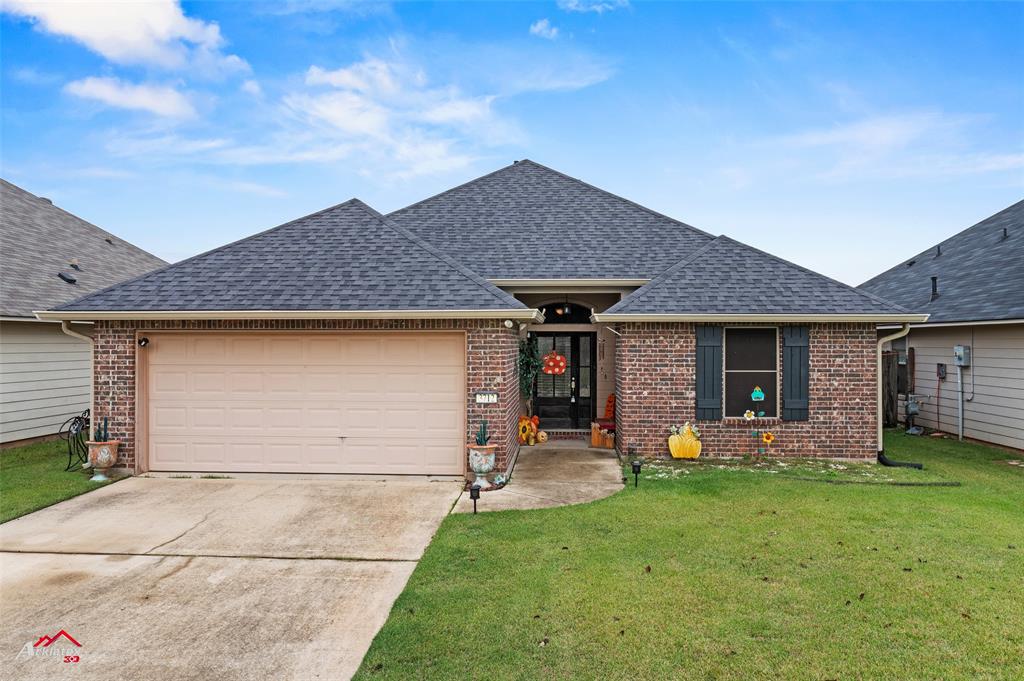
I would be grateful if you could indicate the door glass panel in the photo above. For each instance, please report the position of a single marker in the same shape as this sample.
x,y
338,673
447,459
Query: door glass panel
x,y
584,381
561,385
544,344
585,351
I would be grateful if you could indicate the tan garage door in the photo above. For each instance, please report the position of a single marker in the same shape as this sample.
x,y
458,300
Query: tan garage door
x,y
306,403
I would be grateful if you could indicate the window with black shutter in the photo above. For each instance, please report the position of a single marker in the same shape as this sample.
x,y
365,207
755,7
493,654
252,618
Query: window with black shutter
x,y
751,361
709,373
795,372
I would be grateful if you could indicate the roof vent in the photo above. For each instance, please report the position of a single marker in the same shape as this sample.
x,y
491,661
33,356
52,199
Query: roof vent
x,y
74,264
938,250
46,200
911,263
109,241
1006,234
67,277
935,288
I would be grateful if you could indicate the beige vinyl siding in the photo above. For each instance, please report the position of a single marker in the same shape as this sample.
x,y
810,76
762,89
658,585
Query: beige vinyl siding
x,y
993,384
44,379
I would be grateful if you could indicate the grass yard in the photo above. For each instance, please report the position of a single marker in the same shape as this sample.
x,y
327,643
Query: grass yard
x,y
32,477
732,573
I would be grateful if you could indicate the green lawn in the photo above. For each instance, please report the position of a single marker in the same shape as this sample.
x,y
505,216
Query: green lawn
x,y
32,477
732,573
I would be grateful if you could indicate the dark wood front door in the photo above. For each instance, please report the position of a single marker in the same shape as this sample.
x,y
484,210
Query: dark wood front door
x,y
567,400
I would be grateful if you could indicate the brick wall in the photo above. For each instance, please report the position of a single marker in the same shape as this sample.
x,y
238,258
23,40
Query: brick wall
x,y
492,352
656,387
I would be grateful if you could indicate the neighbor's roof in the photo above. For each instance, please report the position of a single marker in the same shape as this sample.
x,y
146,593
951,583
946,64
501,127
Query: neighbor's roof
x,y
527,221
345,259
39,240
980,273
727,279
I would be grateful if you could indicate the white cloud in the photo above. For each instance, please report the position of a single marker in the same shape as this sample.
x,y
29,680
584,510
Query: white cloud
x,y
252,87
370,75
543,29
155,32
596,6
157,99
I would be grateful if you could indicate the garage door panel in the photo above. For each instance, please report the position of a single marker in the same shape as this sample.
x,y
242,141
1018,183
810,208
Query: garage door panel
x,y
281,403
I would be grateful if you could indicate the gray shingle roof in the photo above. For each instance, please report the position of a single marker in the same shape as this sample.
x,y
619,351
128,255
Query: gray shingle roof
x,y
980,274
39,240
527,221
344,258
727,277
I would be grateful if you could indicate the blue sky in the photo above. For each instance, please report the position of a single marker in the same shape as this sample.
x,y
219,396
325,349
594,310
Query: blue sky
x,y
845,137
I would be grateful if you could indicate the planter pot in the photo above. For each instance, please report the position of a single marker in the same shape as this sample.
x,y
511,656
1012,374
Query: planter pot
x,y
481,462
102,457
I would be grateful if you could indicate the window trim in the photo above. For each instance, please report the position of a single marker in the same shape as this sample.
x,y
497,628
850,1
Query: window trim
x,y
777,371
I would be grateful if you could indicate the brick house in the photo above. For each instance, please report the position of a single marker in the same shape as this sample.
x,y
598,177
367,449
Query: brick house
x,y
348,341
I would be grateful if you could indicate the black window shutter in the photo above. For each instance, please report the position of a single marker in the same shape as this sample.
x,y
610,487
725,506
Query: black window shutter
x,y
709,373
795,372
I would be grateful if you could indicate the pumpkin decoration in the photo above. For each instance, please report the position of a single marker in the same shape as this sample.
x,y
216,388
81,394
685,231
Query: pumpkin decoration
x,y
684,443
554,364
542,436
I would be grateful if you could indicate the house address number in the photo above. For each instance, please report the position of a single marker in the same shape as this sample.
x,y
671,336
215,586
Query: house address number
x,y
487,398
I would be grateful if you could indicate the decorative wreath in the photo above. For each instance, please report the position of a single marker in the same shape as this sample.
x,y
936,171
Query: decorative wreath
x,y
554,364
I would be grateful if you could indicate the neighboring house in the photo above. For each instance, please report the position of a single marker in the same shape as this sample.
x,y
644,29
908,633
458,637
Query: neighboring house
x,y
353,342
48,257
972,285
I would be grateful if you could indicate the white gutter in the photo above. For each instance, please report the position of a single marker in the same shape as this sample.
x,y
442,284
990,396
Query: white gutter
x,y
878,379
767,318
92,393
69,315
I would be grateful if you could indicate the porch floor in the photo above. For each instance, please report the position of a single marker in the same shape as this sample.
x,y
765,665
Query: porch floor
x,y
552,474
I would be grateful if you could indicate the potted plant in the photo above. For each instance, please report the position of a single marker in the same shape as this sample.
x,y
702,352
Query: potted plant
x,y
684,442
102,452
481,456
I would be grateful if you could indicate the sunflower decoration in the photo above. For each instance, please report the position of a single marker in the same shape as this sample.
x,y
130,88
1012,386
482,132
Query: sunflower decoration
x,y
749,415
767,438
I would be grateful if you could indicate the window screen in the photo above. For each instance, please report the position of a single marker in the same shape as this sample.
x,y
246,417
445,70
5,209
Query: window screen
x,y
751,360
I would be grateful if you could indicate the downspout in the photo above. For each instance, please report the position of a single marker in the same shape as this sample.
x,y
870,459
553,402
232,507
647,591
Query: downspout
x,y
882,458
88,339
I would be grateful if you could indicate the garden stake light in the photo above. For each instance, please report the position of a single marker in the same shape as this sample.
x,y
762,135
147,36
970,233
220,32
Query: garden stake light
x,y
636,472
474,494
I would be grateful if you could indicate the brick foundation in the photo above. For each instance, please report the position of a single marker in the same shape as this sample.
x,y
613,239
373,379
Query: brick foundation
x,y
491,355
656,387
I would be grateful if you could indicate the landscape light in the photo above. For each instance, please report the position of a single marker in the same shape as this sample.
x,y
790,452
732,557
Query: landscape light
x,y
474,494
636,472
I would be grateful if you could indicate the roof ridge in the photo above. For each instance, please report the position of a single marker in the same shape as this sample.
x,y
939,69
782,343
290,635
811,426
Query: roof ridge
x,y
931,248
636,295
788,263
204,253
456,187
440,255
79,218
616,196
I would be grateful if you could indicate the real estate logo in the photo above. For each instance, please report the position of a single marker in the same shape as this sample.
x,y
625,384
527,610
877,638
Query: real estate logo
x,y
44,647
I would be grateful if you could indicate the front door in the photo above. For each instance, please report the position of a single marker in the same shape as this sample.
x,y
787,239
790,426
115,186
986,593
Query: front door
x,y
566,401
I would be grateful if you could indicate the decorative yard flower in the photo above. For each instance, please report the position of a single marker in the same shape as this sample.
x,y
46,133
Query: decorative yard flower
x,y
748,415
767,438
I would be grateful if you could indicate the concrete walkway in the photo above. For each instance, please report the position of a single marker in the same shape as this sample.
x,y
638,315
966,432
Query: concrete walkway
x,y
553,474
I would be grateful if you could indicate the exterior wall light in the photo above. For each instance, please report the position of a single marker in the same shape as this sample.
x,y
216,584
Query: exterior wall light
x,y
143,342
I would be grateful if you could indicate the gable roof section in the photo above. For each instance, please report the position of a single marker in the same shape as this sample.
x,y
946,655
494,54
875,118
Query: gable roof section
x,y
39,240
347,259
527,221
980,273
729,280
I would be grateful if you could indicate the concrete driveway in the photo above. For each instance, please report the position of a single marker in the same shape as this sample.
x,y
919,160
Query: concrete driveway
x,y
162,578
